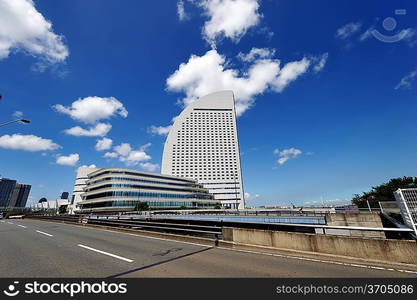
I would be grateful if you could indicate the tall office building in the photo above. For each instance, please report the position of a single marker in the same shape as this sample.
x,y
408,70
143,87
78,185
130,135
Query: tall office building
x,y
203,145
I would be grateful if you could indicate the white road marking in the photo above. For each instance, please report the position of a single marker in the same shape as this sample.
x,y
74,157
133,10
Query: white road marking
x,y
41,232
2,221
106,253
10,223
21,226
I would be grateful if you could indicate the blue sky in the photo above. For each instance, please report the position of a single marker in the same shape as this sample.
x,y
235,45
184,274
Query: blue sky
x,y
326,108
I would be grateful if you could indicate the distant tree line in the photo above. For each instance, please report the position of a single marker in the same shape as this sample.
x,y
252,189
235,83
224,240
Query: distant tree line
x,y
383,192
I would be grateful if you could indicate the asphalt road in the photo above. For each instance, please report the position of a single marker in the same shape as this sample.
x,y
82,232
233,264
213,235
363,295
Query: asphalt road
x,y
32,248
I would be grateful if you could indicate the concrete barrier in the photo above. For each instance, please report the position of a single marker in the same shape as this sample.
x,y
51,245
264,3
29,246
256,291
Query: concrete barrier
x,y
401,251
362,219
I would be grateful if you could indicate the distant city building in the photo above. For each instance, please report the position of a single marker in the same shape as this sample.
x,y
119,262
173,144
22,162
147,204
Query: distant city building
x,y
64,195
114,190
49,205
203,145
20,195
13,194
407,202
6,190
80,184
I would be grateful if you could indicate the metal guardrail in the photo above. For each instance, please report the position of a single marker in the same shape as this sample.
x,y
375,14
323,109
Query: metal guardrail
x,y
196,229
192,229
74,219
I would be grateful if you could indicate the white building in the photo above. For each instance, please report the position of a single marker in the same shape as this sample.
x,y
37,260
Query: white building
x,y
117,189
203,145
407,202
80,184
54,204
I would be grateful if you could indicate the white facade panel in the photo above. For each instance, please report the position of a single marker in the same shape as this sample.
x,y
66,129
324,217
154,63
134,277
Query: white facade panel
x,y
203,145
80,184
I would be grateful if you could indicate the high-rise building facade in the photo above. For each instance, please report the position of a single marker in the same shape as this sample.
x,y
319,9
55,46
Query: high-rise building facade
x,y
13,194
203,145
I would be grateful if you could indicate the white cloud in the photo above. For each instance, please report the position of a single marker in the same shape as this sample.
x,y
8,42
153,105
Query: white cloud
x,y
347,30
92,166
290,72
70,160
366,34
144,147
100,129
18,114
160,130
287,154
410,36
130,157
110,155
182,15
27,143
104,144
256,53
134,157
202,75
123,149
93,109
250,197
406,81
229,18
149,166
322,60
23,28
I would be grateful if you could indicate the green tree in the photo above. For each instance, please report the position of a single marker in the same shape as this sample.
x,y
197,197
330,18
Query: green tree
x,y
141,206
217,206
383,192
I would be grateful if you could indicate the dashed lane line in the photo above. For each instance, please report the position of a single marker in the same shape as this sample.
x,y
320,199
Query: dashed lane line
x,y
41,232
106,253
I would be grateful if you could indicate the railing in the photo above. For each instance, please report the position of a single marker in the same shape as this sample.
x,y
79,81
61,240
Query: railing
x,y
188,229
159,226
73,219
234,212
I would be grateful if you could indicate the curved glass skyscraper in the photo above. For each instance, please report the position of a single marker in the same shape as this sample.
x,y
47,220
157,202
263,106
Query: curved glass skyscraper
x,y
203,145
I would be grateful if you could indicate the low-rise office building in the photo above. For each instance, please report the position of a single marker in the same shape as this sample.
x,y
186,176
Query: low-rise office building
x,y
116,190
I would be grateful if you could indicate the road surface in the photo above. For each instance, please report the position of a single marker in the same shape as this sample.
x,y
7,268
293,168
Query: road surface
x,y
33,248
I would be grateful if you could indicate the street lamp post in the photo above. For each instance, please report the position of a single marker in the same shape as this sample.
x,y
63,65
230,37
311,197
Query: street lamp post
x,y
15,121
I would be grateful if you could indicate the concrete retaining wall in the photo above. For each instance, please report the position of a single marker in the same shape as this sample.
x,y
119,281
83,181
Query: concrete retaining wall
x,y
363,219
401,251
